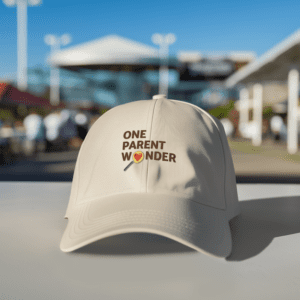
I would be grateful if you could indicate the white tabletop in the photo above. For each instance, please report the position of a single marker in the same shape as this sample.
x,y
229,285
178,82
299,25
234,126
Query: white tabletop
x,y
265,263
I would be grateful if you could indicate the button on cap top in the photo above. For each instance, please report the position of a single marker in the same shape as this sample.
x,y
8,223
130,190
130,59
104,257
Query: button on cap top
x,y
160,96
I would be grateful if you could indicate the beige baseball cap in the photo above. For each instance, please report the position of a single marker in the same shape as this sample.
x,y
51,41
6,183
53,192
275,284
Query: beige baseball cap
x,y
157,166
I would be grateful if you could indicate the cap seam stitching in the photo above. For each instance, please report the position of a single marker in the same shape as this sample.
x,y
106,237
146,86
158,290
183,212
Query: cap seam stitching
x,y
224,160
187,199
150,137
76,196
79,154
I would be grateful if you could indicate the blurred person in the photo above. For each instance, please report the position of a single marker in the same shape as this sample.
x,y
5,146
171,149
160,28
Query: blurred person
x,y
35,133
52,124
67,129
278,128
19,139
82,123
6,131
247,130
6,134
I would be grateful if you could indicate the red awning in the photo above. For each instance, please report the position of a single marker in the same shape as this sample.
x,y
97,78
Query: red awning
x,y
11,95
3,89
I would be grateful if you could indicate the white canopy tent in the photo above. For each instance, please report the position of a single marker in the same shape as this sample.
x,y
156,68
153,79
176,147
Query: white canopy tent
x,y
109,52
281,65
114,53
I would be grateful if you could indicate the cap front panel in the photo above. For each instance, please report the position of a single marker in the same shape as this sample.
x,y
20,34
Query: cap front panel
x,y
230,178
189,159
114,142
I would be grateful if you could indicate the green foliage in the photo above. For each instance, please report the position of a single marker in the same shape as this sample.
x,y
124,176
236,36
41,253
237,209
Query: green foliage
x,y
223,111
103,110
6,115
268,112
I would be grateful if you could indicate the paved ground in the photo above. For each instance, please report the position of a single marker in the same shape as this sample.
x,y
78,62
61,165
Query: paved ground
x,y
56,166
267,164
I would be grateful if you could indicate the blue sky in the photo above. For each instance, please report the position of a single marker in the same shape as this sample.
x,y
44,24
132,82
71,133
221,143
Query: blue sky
x,y
204,26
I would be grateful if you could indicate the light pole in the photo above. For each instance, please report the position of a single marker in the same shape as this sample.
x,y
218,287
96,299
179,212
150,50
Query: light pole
x,y
292,115
163,41
54,42
22,38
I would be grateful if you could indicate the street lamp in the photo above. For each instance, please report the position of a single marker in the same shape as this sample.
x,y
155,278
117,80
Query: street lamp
x,y
54,42
22,37
163,41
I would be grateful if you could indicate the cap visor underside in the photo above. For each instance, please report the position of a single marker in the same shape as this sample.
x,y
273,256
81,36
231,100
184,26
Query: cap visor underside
x,y
198,226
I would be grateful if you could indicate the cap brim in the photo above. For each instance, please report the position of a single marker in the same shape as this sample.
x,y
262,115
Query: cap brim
x,y
200,227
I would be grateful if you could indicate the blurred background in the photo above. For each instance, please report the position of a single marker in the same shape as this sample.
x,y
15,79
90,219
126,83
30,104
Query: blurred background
x,y
65,63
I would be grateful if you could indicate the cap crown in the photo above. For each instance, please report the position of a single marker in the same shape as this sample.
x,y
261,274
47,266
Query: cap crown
x,y
185,150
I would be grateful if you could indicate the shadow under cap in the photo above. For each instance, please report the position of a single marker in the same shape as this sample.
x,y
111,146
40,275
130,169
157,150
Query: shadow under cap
x,y
253,230
260,222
